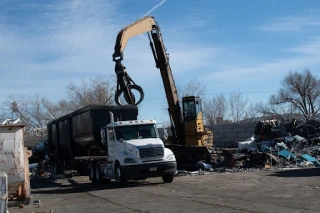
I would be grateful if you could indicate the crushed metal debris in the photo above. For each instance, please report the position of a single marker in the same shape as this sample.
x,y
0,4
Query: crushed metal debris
x,y
282,145
274,145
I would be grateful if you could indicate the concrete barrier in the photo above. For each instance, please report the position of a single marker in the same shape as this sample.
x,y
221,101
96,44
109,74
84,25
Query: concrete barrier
x,y
228,135
3,192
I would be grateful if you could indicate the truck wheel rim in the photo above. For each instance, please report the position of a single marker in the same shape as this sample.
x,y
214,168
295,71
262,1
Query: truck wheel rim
x,y
118,173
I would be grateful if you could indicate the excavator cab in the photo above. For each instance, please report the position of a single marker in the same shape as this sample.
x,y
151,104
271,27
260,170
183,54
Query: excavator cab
x,y
191,108
195,133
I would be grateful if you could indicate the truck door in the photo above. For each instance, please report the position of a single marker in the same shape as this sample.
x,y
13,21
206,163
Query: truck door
x,y
111,143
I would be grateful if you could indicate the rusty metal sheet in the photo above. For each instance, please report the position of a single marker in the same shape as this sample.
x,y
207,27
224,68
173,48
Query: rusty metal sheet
x,y
12,159
274,158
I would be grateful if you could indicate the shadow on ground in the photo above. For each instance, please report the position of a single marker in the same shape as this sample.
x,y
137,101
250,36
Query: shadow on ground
x,y
310,172
63,186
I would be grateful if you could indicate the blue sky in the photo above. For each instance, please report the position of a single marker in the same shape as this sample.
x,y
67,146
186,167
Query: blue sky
x,y
246,46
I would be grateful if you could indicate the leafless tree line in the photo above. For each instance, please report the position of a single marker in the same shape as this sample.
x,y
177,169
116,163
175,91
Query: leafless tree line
x,y
299,94
222,108
218,108
36,111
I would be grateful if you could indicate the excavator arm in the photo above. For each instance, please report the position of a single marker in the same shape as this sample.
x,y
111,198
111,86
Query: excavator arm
x,y
148,25
139,27
125,84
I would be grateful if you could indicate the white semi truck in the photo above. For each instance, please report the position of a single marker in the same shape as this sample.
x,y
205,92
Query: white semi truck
x,y
135,151
109,142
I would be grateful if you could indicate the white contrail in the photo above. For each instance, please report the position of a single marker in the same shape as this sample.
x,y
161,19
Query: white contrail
x,y
155,7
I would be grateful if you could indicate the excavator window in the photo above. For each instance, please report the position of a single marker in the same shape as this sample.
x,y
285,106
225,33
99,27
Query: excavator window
x,y
189,110
198,107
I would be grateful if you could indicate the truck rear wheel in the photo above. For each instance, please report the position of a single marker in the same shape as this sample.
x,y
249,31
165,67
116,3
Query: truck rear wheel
x,y
167,178
120,179
99,177
92,174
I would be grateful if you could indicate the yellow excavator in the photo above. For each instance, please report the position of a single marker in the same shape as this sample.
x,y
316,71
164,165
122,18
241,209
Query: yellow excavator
x,y
189,134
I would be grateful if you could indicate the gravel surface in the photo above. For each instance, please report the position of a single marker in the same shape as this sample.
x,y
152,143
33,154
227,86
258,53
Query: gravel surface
x,y
296,190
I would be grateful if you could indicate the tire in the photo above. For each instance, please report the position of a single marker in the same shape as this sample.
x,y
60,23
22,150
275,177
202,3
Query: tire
x,y
92,173
135,87
98,175
138,88
167,178
129,96
119,178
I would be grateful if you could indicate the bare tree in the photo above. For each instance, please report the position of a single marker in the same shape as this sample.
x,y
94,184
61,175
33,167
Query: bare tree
x,y
99,90
36,111
215,109
210,111
54,110
237,105
193,87
300,91
276,111
252,113
29,110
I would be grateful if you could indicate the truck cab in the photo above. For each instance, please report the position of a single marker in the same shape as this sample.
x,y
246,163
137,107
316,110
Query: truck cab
x,y
135,151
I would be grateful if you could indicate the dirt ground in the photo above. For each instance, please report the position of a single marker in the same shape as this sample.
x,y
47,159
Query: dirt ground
x,y
265,191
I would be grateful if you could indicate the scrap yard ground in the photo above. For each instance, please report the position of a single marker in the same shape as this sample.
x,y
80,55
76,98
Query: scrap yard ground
x,y
264,191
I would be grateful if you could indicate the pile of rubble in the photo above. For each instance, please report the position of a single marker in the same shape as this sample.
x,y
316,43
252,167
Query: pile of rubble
x,y
39,163
290,144
275,145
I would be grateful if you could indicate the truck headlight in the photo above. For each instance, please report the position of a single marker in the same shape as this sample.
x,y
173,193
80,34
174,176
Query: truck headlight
x,y
129,160
137,153
171,157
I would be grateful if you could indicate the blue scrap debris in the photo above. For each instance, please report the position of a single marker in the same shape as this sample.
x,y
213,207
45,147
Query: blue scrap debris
x,y
204,166
310,158
265,148
286,154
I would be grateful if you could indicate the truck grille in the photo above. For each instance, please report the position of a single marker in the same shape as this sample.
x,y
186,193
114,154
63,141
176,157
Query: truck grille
x,y
151,152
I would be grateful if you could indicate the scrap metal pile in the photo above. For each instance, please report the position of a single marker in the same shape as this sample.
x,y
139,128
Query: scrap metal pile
x,y
281,144
274,145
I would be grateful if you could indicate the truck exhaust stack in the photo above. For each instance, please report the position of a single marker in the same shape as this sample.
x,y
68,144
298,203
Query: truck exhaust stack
x,y
111,117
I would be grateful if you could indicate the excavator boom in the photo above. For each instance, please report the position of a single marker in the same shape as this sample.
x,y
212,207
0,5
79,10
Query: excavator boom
x,y
148,25
141,26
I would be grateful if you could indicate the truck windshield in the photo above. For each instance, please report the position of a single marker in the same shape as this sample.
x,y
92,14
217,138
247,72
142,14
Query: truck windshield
x,y
136,131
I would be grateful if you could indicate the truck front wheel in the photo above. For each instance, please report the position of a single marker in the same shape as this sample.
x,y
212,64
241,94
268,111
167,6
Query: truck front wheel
x,y
120,179
167,178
